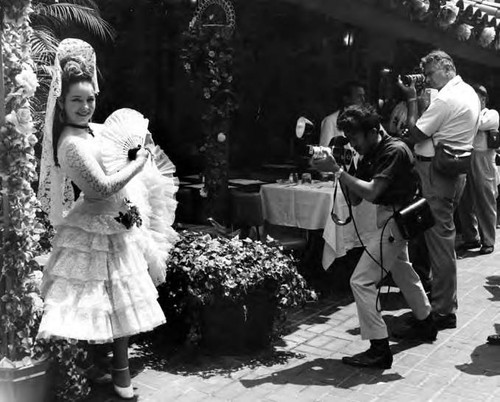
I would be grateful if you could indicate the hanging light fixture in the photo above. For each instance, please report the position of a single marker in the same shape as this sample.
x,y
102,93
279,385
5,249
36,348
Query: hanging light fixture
x,y
348,37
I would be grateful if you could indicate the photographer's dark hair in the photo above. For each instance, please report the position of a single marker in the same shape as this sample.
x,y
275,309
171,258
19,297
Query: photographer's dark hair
x,y
73,71
358,118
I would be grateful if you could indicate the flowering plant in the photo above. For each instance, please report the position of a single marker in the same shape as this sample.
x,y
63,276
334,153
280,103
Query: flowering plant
x,y
24,236
21,305
203,271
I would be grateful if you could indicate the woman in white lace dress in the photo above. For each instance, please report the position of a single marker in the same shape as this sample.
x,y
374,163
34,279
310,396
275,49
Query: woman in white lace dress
x,y
96,284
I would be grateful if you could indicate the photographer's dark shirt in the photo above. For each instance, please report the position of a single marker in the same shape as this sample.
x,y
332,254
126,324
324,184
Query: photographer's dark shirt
x,y
393,161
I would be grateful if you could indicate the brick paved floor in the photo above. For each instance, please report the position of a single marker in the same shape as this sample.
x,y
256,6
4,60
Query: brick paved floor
x,y
458,366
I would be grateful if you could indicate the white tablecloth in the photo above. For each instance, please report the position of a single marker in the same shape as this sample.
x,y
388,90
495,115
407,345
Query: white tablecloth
x,y
305,206
308,206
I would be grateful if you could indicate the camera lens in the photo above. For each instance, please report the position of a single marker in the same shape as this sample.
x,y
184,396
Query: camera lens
x,y
418,78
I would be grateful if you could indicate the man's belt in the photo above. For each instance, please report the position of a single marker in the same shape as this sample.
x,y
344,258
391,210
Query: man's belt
x,y
423,158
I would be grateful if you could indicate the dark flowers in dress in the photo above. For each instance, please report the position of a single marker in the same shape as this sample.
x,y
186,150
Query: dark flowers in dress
x,y
131,217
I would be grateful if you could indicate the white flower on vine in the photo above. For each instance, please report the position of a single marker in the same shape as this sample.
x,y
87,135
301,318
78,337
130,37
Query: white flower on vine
x,y
32,140
221,137
203,192
27,80
24,116
12,118
22,121
36,301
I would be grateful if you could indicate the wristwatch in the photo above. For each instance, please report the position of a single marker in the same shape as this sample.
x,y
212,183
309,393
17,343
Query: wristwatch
x,y
338,173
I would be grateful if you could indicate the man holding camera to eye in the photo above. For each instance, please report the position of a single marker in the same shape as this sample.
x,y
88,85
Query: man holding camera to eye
x,y
451,120
386,178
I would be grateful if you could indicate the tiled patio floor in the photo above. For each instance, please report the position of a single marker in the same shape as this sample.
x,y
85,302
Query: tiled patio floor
x,y
459,366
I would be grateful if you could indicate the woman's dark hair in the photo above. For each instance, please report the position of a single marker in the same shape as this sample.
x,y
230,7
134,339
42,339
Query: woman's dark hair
x,y
358,118
73,71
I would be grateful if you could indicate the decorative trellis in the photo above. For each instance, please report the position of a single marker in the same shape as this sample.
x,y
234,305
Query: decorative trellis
x,y
208,60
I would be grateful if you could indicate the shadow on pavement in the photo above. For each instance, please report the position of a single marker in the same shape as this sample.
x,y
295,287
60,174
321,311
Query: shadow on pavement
x,y
485,361
327,372
201,362
493,286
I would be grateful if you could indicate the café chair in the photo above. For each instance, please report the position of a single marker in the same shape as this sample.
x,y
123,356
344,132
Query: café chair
x,y
291,239
186,208
246,211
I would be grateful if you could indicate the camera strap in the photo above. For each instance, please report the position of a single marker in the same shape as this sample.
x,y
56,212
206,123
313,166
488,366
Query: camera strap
x,y
335,218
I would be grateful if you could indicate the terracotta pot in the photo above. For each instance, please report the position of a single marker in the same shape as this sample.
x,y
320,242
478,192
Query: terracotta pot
x,y
25,384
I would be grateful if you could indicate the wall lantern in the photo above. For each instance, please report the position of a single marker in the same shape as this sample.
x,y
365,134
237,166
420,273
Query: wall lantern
x,y
348,37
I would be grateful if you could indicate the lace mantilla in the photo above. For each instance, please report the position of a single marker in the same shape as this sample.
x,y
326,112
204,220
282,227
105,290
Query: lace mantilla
x,y
55,192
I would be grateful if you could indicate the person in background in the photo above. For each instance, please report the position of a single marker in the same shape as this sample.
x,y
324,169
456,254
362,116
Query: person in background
x,y
478,208
452,119
353,93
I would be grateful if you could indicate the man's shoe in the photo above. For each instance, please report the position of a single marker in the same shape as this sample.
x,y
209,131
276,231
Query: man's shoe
x,y
372,358
444,321
486,250
418,330
469,245
493,339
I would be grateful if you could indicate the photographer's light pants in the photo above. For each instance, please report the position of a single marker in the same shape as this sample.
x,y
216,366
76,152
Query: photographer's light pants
x,y
443,194
368,273
478,206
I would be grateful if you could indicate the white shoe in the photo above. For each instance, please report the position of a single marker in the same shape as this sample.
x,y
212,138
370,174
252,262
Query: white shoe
x,y
124,392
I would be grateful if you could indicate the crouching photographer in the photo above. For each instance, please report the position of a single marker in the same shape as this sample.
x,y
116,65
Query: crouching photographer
x,y
386,178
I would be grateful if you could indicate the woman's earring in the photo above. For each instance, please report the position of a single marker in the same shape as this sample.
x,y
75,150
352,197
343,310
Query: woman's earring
x,y
62,116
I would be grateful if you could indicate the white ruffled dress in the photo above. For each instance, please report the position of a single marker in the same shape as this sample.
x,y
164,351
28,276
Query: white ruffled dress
x,y
96,284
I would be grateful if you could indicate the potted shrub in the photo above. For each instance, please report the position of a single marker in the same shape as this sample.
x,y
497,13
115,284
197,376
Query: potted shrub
x,y
230,294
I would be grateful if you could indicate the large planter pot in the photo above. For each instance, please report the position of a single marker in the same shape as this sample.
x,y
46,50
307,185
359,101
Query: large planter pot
x,y
238,327
25,384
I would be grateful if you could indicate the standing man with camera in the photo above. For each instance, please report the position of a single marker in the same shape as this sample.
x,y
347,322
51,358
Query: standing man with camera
x,y
386,178
451,120
478,206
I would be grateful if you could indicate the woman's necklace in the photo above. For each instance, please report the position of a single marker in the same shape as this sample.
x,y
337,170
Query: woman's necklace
x,y
83,127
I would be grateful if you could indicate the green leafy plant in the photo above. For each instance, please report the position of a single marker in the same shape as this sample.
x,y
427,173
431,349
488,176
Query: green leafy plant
x,y
203,271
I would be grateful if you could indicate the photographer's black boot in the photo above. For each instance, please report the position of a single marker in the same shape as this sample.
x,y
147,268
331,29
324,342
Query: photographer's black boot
x,y
418,330
378,356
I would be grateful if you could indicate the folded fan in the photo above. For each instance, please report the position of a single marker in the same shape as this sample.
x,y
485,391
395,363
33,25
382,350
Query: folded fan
x,y
124,130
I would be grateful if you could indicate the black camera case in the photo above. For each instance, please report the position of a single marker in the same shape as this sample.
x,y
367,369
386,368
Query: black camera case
x,y
493,139
414,219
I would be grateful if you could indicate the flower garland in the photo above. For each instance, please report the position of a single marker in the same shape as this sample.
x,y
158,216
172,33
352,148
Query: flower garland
x,y
21,232
20,277
207,58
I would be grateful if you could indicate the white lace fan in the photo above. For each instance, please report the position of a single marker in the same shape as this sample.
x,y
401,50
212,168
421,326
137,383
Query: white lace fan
x,y
162,162
124,129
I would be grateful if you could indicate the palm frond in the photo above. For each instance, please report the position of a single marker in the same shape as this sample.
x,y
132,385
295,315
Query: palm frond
x,y
62,14
43,45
